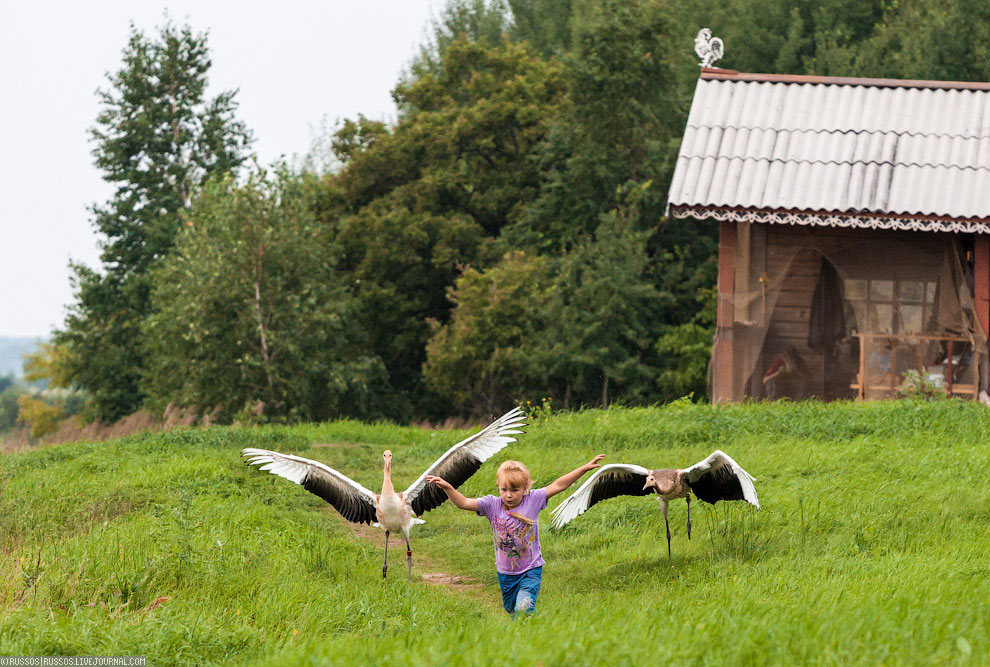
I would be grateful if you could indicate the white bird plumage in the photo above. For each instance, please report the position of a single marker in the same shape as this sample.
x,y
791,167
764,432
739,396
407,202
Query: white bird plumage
x,y
717,477
580,501
395,512
712,464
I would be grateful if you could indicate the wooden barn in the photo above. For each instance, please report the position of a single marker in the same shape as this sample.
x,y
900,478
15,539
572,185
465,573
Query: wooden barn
x,y
854,232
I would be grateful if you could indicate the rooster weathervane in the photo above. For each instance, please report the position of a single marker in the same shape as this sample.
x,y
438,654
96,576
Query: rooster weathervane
x,y
708,48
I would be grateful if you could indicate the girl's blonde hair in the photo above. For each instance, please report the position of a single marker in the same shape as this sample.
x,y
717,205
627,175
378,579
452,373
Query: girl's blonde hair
x,y
514,473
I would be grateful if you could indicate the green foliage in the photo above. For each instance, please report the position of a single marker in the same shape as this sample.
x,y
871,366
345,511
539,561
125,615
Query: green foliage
x,y
683,351
485,21
157,138
464,145
917,386
478,120
487,357
603,313
250,307
613,133
876,38
420,199
397,261
915,40
548,127
258,571
42,417
47,407
52,363
545,24
579,327
8,407
784,36
620,125
611,153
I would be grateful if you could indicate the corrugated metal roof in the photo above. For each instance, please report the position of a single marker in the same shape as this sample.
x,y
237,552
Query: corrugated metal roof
x,y
871,147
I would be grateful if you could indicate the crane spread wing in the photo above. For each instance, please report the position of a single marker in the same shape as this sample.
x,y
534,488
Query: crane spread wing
x,y
609,481
463,460
353,501
718,477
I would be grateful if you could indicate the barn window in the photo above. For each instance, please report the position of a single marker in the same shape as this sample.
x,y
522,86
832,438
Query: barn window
x,y
891,306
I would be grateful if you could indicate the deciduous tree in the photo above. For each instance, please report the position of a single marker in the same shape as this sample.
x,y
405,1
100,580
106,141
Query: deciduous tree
x,y
427,197
158,136
251,308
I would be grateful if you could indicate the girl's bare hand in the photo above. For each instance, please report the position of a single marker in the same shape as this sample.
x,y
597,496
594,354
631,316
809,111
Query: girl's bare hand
x,y
594,463
439,481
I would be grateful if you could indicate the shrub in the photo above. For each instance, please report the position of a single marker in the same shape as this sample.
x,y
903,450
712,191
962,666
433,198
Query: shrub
x,y
916,385
40,416
8,407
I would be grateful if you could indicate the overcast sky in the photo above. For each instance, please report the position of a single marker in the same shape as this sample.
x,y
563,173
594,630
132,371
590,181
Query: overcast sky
x,y
295,63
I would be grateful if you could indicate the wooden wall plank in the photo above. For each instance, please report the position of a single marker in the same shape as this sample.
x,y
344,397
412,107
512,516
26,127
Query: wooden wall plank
x,y
981,280
791,314
794,298
790,329
723,382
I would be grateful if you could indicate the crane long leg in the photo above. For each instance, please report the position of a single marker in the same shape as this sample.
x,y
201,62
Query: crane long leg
x,y
409,558
385,566
668,536
688,498
663,508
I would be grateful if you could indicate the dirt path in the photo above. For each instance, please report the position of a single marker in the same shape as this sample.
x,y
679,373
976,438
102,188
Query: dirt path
x,y
428,569
333,445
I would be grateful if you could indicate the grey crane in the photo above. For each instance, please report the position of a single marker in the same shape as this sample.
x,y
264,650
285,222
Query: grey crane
x,y
716,478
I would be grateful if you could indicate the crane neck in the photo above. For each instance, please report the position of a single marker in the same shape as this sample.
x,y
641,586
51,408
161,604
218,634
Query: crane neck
x,y
387,480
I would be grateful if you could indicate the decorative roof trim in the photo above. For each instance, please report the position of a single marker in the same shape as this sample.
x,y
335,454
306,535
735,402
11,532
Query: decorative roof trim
x,y
830,219
717,74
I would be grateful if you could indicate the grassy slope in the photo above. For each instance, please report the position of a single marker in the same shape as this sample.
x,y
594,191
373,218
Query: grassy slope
x,y
871,547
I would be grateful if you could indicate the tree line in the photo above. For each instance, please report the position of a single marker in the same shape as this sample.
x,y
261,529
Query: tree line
x,y
504,239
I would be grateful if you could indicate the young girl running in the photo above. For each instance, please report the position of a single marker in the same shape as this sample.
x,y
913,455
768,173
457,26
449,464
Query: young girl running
x,y
513,515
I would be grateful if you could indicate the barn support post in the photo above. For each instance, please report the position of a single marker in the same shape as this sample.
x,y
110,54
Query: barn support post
x,y
741,352
981,291
723,382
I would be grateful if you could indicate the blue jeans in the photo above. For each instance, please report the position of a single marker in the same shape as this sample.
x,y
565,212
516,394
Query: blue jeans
x,y
519,591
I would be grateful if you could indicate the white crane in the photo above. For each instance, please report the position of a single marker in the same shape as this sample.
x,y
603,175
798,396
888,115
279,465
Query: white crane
x,y
395,512
716,478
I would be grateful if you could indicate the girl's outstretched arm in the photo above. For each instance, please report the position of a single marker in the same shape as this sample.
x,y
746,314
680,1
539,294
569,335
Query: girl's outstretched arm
x,y
571,477
456,497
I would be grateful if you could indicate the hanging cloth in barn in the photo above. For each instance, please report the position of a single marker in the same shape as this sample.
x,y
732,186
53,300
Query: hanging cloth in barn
x,y
827,324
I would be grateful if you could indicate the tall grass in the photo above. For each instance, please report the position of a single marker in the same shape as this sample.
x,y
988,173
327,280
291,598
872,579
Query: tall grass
x,y
871,546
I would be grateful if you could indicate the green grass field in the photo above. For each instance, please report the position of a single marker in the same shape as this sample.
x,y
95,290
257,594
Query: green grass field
x,y
871,547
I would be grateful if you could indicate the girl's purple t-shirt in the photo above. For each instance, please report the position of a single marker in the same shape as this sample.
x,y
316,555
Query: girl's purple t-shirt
x,y
517,544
